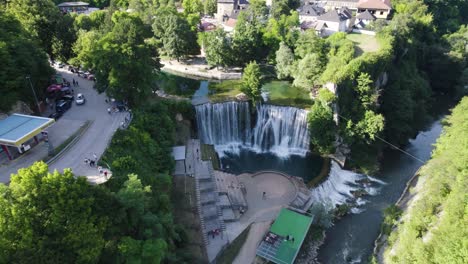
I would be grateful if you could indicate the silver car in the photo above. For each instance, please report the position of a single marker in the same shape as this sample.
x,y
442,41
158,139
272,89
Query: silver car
x,y
80,99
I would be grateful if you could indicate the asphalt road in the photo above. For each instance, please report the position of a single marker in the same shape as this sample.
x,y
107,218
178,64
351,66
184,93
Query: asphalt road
x,y
96,138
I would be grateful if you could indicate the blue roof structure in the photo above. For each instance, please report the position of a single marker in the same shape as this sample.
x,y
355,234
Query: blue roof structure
x,y
17,128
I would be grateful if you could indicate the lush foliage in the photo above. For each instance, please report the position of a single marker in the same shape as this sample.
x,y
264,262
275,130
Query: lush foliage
x,y
20,57
50,217
434,230
217,48
322,127
252,81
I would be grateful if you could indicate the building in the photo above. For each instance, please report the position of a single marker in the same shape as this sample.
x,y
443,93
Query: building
x,y
69,7
363,19
309,12
19,133
178,153
335,21
378,8
282,242
337,4
226,7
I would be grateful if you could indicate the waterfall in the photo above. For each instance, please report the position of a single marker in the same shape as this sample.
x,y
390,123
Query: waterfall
x,y
280,130
224,123
340,184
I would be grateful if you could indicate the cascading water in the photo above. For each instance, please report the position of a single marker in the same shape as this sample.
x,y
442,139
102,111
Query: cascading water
x,y
340,185
280,130
224,123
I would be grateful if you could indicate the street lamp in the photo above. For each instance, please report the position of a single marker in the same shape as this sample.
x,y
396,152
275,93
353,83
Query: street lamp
x,y
34,92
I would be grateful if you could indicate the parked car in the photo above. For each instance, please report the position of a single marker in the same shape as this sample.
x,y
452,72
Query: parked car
x,y
91,77
80,73
56,115
62,105
72,69
67,97
80,99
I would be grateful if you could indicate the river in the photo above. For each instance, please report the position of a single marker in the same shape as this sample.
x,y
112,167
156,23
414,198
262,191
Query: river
x,y
351,239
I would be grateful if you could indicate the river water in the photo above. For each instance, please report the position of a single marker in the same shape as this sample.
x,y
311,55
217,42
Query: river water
x,y
351,239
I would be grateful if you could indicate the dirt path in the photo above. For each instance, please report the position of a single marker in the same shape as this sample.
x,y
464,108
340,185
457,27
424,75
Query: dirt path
x,y
247,252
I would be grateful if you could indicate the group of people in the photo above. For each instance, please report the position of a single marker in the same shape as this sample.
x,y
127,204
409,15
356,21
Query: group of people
x,y
91,162
75,83
214,232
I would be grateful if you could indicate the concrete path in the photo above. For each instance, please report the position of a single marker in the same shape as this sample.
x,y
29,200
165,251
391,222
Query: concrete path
x,y
279,192
93,141
248,250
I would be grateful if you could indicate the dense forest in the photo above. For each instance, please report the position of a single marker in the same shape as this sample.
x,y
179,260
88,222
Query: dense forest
x,y
433,228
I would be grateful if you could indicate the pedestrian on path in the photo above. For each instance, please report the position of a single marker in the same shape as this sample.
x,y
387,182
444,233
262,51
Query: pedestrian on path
x,y
109,110
77,83
74,82
264,195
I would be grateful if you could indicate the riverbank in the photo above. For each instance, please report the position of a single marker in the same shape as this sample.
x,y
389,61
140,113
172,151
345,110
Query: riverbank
x,y
351,239
197,67
409,194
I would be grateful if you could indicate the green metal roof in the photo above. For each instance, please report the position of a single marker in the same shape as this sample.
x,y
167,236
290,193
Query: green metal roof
x,y
288,223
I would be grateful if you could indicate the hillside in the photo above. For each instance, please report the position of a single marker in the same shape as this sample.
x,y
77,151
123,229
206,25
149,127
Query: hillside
x,y
434,228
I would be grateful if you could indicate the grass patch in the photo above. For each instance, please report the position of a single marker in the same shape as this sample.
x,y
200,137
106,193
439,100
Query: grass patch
x,y
225,90
364,43
228,255
283,93
208,152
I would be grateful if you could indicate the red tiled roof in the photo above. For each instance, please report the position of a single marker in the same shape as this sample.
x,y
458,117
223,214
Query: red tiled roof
x,y
374,4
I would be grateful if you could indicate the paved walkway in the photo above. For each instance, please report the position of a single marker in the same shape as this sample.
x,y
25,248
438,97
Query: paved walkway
x,y
279,192
93,142
248,251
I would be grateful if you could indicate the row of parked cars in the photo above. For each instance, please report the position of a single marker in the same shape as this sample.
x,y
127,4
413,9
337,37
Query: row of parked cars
x,y
65,102
84,74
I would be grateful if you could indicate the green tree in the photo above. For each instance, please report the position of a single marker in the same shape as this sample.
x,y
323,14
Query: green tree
x,y
49,217
308,71
310,43
283,29
247,41
322,127
126,63
64,38
210,7
192,6
20,57
217,48
252,81
366,92
174,35
39,18
284,61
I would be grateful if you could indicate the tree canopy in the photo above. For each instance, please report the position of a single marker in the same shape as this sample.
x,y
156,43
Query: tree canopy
x,y
49,217
20,57
252,81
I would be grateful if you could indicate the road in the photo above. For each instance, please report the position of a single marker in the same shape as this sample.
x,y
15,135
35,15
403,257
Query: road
x,y
93,142
96,138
